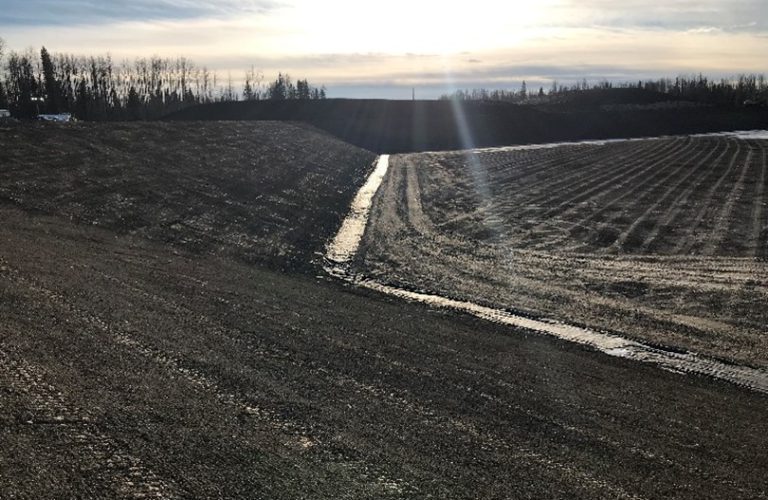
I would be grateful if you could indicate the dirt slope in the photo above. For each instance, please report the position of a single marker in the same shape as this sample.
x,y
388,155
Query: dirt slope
x,y
263,192
409,126
138,365
128,370
660,240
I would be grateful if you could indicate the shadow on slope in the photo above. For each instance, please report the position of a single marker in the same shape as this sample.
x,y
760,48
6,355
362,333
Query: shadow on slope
x,y
263,192
408,126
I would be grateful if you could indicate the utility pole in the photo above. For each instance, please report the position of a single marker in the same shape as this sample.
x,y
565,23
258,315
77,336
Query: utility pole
x,y
413,93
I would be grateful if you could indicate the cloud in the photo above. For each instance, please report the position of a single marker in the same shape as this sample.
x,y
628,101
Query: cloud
x,y
705,29
79,12
333,42
747,16
508,75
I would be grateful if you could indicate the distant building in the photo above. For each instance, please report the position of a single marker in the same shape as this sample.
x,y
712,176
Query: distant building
x,y
4,113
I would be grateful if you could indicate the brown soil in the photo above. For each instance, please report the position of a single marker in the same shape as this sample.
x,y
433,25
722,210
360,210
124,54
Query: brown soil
x,y
135,366
661,240
249,190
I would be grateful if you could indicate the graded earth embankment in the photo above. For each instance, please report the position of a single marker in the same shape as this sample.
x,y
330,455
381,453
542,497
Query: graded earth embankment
x,y
661,240
131,369
138,366
410,126
264,192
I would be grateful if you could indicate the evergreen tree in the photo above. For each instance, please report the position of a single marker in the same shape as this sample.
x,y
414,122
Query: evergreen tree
x,y
134,104
277,90
83,97
251,91
51,85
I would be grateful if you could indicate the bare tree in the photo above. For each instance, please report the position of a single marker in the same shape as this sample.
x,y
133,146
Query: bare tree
x,y
97,88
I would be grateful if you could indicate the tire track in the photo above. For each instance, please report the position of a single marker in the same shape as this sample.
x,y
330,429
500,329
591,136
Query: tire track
x,y
527,164
621,241
611,344
398,399
120,472
529,161
564,161
686,245
564,185
301,436
723,221
601,156
610,203
677,204
418,220
592,185
759,229
570,205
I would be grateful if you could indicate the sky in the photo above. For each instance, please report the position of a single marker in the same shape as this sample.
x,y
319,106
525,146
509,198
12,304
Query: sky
x,y
386,48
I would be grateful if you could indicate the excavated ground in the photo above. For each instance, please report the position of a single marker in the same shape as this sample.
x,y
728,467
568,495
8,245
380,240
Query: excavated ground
x,y
270,193
661,240
135,367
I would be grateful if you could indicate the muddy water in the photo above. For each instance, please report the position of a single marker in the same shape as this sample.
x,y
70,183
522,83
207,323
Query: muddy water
x,y
346,243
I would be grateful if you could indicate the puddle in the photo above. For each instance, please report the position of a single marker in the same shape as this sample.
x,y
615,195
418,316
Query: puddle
x,y
346,243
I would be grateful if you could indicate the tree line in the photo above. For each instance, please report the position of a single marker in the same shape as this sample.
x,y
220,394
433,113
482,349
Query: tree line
x,y
743,90
97,88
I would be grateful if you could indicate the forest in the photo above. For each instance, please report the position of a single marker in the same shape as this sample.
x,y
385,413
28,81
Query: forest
x,y
98,88
740,91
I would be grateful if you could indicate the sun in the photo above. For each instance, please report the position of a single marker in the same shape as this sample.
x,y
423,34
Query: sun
x,y
408,26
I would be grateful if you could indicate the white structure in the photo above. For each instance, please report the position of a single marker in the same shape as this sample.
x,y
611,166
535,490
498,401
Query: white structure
x,y
62,117
4,113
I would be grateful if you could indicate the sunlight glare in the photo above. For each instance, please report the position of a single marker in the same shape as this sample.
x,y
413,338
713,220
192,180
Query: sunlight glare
x,y
405,26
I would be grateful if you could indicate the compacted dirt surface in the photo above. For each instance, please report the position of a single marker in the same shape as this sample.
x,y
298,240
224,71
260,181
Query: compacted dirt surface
x,y
249,190
136,367
661,240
